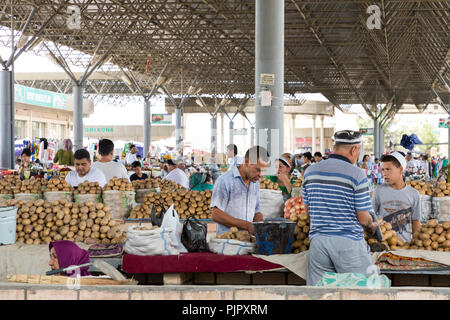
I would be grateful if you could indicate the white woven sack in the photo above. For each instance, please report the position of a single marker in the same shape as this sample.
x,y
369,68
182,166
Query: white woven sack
x,y
149,242
426,211
231,247
271,203
441,208
58,195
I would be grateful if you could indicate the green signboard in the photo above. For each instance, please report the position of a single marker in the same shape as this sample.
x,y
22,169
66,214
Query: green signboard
x,y
39,97
159,118
99,130
444,123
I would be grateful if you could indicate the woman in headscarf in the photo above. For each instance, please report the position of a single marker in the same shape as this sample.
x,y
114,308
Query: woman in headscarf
x,y
200,181
285,167
65,253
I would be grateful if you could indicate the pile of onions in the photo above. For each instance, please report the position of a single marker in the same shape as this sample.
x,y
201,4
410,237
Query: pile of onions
x,y
293,206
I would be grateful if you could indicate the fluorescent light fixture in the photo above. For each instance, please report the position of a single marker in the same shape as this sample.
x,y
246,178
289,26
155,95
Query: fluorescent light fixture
x,y
161,90
126,79
22,40
160,80
197,101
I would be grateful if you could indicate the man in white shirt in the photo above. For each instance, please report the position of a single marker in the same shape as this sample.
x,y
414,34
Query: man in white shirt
x,y
84,171
233,159
176,174
132,155
109,168
412,165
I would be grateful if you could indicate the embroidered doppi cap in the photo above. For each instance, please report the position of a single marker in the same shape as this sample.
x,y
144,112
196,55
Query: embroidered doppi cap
x,y
348,137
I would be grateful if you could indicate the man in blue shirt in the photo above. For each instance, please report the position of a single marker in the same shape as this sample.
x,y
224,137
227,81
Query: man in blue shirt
x,y
235,199
336,196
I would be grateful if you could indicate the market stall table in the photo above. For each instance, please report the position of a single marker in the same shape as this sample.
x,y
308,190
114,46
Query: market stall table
x,y
177,269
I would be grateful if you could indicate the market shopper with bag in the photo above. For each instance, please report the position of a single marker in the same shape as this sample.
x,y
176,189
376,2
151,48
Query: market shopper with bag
x,y
235,199
336,197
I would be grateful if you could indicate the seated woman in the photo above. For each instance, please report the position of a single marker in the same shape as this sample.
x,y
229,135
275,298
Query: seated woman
x,y
200,181
285,166
65,253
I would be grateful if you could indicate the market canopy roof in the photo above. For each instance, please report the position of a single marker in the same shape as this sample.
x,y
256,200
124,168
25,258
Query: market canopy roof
x,y
209,45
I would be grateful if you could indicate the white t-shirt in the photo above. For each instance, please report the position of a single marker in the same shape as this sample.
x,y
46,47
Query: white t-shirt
x,y
177,175
94,175
111,169
236,161
131,157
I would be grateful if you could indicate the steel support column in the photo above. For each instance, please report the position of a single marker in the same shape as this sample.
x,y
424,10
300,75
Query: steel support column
x,y
222,133
313,136
322,149
6,120
147,127
231,137
252,136
77,117
178,132
269,60
293,116
214,136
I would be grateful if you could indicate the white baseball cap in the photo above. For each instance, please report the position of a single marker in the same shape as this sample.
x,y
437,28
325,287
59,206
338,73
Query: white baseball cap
x,y
400,158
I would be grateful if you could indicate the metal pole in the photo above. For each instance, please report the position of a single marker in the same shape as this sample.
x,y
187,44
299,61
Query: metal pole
x,y
313,140
178,132
147,127
231,132
269,60
293,132
321,135
381,142
77,117
222,134
252,136
6,123
376,139
214,135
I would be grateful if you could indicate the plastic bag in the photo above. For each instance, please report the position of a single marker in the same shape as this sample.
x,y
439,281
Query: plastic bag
x,y
171,221
231,247
193,236
272,203
157,218
339,280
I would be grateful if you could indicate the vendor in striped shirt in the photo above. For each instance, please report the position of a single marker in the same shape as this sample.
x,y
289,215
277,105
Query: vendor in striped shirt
x,y
337,199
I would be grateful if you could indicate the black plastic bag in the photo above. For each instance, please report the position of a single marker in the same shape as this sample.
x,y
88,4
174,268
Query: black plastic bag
x,y
193,236
157,218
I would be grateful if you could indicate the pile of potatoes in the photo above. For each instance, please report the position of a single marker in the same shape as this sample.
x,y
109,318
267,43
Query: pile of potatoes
x,y
267,184
44,221
121,184
87,187
8,183
241,235
141,211
186,203
149,183
432,236
58,184
30,186
301,240
439,189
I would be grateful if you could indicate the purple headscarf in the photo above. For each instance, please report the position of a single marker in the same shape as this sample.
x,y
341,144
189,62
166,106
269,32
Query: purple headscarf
x,y
69,254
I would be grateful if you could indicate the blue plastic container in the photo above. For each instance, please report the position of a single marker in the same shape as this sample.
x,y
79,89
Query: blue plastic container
x,y
8,225
274,236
